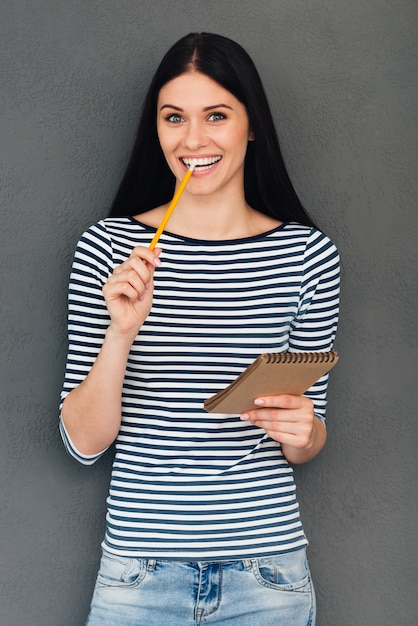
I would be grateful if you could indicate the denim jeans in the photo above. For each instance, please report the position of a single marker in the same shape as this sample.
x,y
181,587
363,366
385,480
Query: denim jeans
x,y
145,592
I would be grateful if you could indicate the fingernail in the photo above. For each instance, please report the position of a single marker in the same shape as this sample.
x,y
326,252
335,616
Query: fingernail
x,y
259,401
245,416
157,261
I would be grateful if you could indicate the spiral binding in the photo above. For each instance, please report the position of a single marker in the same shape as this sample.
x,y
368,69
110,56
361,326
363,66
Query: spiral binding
x,y
300,357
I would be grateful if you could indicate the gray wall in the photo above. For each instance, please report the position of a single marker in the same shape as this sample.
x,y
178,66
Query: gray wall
x,y
342,82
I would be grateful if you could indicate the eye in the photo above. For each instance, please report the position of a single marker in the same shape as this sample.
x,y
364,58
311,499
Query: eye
x,y
174,118
217,116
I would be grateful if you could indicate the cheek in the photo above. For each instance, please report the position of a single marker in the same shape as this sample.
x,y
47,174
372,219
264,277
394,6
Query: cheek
x,y
240,144
161,138
167,147
240,137
165,139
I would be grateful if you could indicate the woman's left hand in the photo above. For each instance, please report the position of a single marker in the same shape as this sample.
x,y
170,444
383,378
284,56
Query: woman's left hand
x,y
289,420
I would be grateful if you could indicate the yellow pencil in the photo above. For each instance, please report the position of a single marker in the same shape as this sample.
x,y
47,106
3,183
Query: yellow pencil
x,y
172,205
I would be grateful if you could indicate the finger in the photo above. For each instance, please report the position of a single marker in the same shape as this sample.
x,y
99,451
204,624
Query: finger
x,y
278,423
273,420
147,256
122,289
140,258
127,283
282,401
135,271
287,417
285,432
142,269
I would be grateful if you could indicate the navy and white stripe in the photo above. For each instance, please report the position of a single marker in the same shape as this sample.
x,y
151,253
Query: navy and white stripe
x,y
187,484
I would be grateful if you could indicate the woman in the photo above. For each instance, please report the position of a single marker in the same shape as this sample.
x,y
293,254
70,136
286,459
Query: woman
x,y
203,525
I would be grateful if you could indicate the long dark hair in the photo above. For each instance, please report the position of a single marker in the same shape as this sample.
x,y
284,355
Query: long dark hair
x,y
148,182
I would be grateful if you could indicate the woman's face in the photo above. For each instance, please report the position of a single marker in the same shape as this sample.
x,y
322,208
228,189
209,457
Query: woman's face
x,y
198,119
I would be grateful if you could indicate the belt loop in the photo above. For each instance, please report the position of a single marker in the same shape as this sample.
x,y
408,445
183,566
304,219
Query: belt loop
x,y
151,565
247,563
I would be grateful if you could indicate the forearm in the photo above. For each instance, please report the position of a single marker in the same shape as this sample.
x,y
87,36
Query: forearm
x,y
91,413
313,446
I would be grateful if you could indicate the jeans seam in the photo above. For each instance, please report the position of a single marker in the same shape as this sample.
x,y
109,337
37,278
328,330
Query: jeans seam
x,y
200,612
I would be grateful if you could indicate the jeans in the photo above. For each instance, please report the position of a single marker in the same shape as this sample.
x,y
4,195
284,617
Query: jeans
x,y
145,592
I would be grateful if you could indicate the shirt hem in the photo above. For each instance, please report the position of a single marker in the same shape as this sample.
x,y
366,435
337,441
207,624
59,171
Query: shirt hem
x,y
187,557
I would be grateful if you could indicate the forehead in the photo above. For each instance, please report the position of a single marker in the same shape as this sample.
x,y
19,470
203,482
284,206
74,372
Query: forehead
x,y
195,88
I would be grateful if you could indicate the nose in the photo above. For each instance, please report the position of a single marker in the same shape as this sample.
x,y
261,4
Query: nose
x,y
195,136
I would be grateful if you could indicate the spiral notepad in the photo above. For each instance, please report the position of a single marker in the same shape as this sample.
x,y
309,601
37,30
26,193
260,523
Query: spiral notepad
x,y
272,374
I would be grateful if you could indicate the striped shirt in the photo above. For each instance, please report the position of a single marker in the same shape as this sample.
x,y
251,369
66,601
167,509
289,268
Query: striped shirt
x,y
187,484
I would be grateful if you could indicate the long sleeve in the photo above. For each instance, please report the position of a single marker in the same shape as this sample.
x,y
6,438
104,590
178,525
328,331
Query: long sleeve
x,y
315,324
88,318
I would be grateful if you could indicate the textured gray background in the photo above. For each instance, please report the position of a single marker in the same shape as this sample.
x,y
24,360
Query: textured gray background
x,y
342,81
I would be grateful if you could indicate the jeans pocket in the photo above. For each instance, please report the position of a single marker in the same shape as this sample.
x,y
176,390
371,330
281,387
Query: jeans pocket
x,y
118,571
285,572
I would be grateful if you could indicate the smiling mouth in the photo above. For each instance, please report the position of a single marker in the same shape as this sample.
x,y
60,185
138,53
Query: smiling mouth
x,y
205,163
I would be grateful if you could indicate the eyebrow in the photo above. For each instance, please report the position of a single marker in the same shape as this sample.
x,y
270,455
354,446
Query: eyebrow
x,y
212,107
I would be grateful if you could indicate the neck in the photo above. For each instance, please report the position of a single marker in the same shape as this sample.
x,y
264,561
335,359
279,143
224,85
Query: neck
x,y
222,217
201,217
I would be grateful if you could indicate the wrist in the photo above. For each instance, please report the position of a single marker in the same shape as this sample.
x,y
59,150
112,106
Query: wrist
x,y
125,337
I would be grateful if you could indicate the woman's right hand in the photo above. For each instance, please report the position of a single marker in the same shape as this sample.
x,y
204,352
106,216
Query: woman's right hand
x,y
129,290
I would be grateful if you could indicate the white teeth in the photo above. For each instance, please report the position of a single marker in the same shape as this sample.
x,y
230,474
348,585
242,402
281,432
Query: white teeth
x,y
204,162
